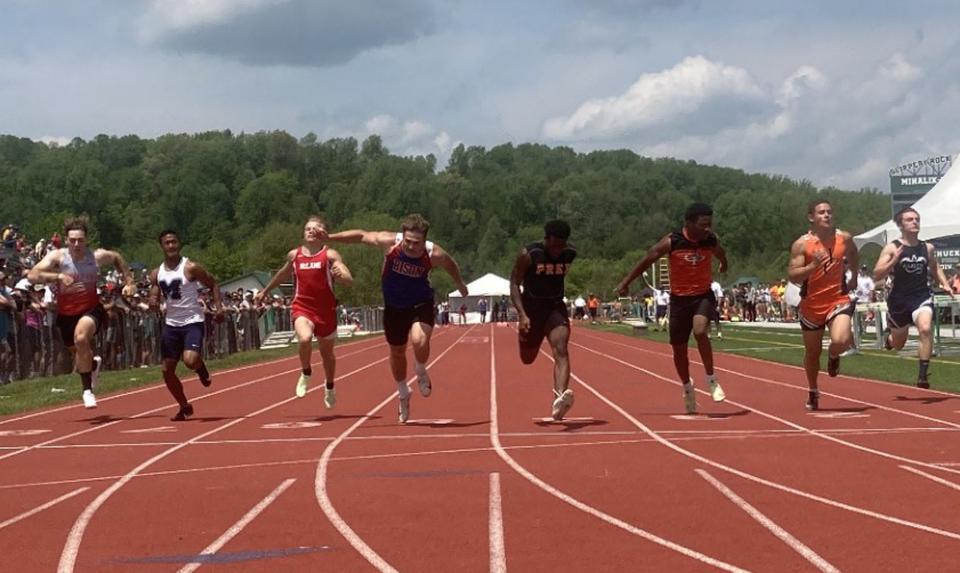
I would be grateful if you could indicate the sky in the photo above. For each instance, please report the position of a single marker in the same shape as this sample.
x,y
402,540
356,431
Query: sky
x,y
836,93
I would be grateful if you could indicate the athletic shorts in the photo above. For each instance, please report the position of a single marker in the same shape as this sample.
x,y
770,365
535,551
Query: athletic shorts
x,y
818,317
682,311
174,340
544,315
903,314
661,311
67,323
321,328
593,312
397,321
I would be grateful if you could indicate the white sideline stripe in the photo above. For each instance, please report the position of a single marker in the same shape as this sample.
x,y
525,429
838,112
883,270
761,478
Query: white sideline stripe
x,y
237,527
40,508
743,474
809,431
781,533
158,386
498,552
495,440
161,408
932,477
68,557
320,483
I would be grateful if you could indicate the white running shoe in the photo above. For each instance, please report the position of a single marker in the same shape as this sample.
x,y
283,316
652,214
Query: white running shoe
x,y
562,405
95,373
716,391
329,397
405,409
690,399
423,381
89,400
302,384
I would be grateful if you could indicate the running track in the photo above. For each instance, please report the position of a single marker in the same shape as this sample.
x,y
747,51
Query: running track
x,y
479,481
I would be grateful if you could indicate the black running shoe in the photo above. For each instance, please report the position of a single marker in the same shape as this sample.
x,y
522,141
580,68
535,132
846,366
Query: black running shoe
x,y
813,401
886,342
833,366
923,383
184,413
206,380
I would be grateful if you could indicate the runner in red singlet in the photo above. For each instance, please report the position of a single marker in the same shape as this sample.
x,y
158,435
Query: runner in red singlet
x,y
76,270
315,267
692,302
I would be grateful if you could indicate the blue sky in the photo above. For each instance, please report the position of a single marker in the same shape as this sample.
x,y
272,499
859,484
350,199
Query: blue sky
x,y
836,93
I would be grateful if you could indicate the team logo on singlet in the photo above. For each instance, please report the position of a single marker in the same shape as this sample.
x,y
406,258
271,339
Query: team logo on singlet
x,y
914,264
694,258
552,268
309,266
407,269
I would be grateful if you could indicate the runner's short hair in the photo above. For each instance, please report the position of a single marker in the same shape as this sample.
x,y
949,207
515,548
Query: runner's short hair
x,y
557,228
812,205
318,218
75,224
166,232
898,218
415,222
697,210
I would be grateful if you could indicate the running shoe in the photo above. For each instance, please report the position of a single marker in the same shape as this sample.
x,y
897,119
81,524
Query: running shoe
x,y
329,397
833,366
690,399
89,400
813,401
423,381
404,409
205,378
95,373
562,404
183,413
923,383
716,392
302,385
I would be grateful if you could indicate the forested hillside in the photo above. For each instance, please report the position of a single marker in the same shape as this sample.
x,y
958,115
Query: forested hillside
x,y
239,201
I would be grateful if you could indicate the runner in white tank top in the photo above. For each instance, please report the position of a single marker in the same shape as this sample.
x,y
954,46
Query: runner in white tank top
x,y
183,329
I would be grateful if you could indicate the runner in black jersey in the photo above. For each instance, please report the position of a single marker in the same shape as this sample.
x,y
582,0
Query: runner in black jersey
x,y
540,270
911,263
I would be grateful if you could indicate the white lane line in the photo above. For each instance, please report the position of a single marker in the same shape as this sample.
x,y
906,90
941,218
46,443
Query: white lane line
x,y
757,479
498,552
159,386
162,408
320,483
506,457
781,533
932,477
237,527
71,548
40,508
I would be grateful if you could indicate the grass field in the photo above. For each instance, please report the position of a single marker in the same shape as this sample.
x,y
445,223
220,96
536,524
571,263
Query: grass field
x,y
786,346
26,395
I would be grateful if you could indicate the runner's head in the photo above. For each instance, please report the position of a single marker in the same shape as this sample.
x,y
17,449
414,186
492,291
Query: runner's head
x,y
314,229
170,243
820,214
75,230
908,219
698,219
555,235
414,229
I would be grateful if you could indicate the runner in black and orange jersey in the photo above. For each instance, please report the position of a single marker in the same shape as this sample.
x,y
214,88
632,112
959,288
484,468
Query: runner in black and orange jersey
x,y
819,260
691,250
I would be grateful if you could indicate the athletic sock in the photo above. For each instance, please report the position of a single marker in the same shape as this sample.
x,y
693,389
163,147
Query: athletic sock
x,y
924,365
688,386
307,371
87,379
402,389
419,367
711,378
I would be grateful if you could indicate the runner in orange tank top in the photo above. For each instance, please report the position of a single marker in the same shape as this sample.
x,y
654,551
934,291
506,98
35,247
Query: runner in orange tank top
x,y
692,302
818,261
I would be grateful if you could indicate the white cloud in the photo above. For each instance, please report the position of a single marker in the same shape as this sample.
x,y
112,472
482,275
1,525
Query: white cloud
x,y
165,16
658,99
898,69
55,140
407,137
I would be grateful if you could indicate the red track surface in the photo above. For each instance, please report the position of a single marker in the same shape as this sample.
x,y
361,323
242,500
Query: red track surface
x,y
261,481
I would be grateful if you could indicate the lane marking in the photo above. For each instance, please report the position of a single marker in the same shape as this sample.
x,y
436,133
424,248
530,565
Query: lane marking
x,y
6,433
932,477
498,552
781,533
320,481
40,508
157,430
291,425
236,528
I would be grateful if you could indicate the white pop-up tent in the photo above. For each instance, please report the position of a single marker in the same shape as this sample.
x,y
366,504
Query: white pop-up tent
x,y
939,214
490,287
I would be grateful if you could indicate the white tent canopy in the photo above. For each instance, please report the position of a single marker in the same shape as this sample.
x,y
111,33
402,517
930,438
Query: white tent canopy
x,y
939,214
489,285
